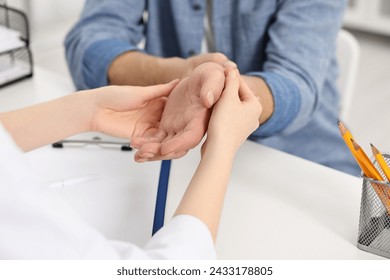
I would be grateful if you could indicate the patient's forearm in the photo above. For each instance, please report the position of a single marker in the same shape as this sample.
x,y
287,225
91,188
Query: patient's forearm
x,y
45,123
140,69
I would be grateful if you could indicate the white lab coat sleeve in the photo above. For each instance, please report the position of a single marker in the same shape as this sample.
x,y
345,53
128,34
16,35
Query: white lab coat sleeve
x,y
186,236
183,237
36,223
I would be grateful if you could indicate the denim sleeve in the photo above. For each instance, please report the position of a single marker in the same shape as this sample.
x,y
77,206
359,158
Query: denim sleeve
x,y
302,42
105,30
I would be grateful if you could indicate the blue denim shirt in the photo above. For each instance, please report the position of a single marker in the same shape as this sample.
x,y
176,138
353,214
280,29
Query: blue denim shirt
x,y
290,44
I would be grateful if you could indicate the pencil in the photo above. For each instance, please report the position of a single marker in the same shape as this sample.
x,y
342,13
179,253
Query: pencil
x,y
381,161
346,134
365,163
360,156
370,171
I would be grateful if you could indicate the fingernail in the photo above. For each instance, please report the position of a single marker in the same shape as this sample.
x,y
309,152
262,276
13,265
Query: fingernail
x,y
210,97
147,155
141,160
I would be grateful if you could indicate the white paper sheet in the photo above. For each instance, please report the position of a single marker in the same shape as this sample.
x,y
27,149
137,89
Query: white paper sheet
x,y
9,39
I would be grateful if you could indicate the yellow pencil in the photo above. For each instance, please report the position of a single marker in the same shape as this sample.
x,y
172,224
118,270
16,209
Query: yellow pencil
x,y
347,136
381,161
365,163
372,172
360,156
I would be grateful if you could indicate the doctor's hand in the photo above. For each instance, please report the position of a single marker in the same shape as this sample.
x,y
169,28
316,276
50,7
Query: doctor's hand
x,y
234,117
121,111
128,111
186,115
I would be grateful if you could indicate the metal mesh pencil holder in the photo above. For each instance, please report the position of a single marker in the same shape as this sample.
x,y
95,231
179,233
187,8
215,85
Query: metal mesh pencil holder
x,y
374,224
16,20
15,55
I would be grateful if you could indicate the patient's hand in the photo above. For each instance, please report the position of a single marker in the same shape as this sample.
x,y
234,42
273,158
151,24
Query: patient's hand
x,y
185,118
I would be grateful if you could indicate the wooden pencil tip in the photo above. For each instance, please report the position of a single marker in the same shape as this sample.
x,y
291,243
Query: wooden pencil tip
x,y
374,149
338,121
342,128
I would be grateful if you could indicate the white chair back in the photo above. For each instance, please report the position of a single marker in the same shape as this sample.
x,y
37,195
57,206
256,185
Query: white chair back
x,y
347,53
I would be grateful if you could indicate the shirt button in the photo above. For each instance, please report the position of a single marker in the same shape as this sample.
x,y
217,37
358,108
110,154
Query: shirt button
x,y
191,52
197,7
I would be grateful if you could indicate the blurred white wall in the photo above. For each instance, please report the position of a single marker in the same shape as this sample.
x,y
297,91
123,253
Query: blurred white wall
x,y
49,23
45,16
372,16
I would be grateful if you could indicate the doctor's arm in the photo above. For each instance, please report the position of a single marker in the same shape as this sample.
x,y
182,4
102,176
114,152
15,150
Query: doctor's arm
x,y
205,194
121,111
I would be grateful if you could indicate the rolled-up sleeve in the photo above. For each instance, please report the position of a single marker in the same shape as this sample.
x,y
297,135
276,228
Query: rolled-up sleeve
x,y
299,53
106,29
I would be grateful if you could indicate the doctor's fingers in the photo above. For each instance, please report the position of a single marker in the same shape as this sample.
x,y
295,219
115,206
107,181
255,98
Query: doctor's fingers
x,y
131,97
155,91
250,99
231,90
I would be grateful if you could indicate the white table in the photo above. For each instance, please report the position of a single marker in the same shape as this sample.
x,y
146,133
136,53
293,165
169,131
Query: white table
x,y
282,207
278,206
